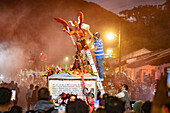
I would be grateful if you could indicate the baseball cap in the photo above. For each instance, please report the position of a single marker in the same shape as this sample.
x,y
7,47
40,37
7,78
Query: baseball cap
x,y
97,34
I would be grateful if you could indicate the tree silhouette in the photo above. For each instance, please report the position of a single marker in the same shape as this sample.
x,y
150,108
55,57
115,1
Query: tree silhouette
x,y
151,27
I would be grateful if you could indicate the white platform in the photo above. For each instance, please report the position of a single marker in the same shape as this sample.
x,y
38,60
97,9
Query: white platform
x,y
66,83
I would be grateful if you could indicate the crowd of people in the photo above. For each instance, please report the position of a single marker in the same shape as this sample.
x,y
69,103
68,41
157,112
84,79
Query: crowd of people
x,y
21,86
129,96
137,90
38,100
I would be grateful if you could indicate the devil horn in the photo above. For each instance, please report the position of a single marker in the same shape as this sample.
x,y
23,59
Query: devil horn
x,y
84,91
71,23
78,19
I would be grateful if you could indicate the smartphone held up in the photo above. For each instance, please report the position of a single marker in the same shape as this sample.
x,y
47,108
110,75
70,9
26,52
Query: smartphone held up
x,y
13,96
168,81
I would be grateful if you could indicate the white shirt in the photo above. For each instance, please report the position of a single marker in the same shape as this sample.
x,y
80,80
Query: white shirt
x,y
121,94
29,93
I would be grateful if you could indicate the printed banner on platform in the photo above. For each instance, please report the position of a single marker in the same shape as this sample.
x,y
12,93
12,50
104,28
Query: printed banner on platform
x,y
56,87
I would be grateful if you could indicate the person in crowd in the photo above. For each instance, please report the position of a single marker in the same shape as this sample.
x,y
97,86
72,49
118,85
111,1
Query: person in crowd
x,y
5,99
35,95
102,102
16,109
101,108
114,105
62,100
99,53
72,98
146,107
77,106
138,107
12,85
16,88
29,97
44,103
124,95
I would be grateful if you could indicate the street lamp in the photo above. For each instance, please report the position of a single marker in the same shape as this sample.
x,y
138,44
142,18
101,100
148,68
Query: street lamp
x,y
111,36
119,54
109,52
66,58
1,77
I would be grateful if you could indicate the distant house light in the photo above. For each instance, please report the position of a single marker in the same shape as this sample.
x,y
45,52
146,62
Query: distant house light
x,y
131,19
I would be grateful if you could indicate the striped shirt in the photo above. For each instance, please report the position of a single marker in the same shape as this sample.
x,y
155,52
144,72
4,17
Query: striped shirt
x,y
99,52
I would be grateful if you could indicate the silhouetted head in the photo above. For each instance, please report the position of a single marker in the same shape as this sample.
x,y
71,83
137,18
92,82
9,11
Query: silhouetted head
x,y
114,105
77,106
146,107
36,87
125,87
31,86
43,94
5,96
16,109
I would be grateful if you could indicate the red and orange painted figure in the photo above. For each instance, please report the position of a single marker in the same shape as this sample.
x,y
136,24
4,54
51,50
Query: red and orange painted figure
x,y
79,32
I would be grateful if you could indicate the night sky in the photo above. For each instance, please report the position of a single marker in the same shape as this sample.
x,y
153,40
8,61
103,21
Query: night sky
x,y
118,5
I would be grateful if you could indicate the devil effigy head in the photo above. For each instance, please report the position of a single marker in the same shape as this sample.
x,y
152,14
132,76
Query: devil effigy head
x,y
75,23
90,93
